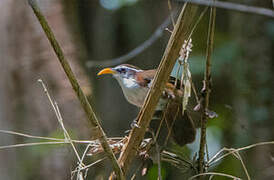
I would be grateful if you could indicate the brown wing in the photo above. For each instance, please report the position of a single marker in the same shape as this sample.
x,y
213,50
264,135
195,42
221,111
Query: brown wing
x,y
146,77
182,127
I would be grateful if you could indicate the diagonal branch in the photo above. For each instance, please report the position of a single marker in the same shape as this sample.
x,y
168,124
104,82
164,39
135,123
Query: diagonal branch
x,y
83,99
136,51
179,34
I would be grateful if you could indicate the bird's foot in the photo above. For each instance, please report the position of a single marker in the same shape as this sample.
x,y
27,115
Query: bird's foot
x,y
134,124
168,94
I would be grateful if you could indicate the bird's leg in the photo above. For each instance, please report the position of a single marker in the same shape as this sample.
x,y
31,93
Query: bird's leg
x,y
134,123
168,94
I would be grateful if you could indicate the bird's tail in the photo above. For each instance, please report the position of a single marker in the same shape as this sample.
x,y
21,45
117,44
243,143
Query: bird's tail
x,y
180,125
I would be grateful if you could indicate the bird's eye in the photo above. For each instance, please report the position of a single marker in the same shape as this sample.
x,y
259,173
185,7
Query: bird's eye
x,y
122,70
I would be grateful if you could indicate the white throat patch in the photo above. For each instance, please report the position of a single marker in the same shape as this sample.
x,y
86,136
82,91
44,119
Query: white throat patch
x,y
129,83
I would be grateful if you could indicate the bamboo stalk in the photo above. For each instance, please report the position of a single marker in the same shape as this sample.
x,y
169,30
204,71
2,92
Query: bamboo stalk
x,y
93,121
178,36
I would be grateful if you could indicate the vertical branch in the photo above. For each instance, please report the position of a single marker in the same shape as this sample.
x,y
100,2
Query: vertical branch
x,y
76,87
206,89
179,34
171,15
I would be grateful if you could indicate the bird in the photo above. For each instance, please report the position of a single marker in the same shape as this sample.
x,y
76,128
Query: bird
x,y
135,84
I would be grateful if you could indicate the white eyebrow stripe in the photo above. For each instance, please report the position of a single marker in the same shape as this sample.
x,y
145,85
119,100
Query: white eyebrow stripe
x,y
126,67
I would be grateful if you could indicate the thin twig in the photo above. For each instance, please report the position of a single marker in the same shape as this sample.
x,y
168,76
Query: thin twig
x,y
33,144
160,125
30,136
81,96
216,155
158,155
187,42
82,159
59,118
66,134
206,89
237,154
196,24
189,37
207,153
171,14
158,161
133,53
177,161
177,38
233,6
88,166
85,152
214,159
215,174
171,126
54,139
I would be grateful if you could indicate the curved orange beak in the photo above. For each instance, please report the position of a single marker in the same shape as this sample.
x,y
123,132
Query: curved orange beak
x,y
106,71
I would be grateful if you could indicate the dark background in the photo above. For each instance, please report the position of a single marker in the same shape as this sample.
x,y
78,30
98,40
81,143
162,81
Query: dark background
x,y
242,72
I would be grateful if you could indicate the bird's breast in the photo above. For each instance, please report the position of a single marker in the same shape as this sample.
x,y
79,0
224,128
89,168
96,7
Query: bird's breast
x,y
136,94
